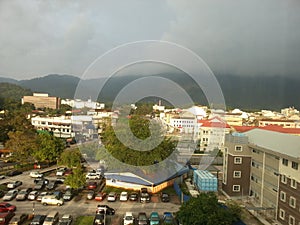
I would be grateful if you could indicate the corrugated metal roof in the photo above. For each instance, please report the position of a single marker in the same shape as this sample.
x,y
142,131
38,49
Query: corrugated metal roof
x,y
278,142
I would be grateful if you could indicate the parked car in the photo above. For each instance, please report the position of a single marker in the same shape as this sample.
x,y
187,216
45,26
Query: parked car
x,y
13,173
61,171
90,195
38,220
52,200
52,218
144,196
51,185
92,185
128,218
168,218
68,172
93,176
23,194
60,180
10,195
154,218
18,220
5,207
68,195
41,195
33,195
142,218
36,180
112,197
39,185
100,196
36,174
65,220
134,196
14,184
164,197
5,217
2,193
124,196
105,209
99,219
2,177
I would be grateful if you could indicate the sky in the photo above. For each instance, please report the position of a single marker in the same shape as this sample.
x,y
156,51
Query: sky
x,y
246,38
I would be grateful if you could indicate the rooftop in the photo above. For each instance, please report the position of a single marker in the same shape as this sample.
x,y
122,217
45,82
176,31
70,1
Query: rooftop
x,y
278,142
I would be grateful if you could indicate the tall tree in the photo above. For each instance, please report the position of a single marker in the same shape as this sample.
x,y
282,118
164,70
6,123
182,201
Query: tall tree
x,y
77,179
205,210
70,158
50,148
22,143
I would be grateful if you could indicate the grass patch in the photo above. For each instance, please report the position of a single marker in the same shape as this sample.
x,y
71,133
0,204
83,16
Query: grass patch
x,y
84,220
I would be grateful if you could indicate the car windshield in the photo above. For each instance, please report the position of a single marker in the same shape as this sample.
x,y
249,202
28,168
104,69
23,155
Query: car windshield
x,y
142,217
128,217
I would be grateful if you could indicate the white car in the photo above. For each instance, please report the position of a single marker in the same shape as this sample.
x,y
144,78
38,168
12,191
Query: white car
x,y
112,197
14,184
52,200
128,218
32,195
124,196
61,171
36,174
93,176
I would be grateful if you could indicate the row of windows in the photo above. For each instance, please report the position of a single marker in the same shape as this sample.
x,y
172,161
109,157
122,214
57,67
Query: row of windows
x,y
292,200
293,181
291,221
294,165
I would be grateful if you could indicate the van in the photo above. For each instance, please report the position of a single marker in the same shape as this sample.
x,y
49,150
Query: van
x,y
5,217
52,218
52,200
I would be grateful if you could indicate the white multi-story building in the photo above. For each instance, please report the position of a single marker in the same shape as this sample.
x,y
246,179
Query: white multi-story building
x,y
211,133
79,104
66,126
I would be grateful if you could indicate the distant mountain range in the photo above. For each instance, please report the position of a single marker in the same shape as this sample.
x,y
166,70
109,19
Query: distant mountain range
x,y
244,92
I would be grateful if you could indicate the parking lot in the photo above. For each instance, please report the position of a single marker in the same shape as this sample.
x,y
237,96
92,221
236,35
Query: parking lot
x,y
80,206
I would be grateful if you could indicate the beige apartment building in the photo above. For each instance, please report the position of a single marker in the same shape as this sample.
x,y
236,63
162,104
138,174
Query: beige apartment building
x,y
42,100
274,172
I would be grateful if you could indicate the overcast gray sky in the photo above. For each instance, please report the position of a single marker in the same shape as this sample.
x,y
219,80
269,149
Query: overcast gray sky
x,y
244,37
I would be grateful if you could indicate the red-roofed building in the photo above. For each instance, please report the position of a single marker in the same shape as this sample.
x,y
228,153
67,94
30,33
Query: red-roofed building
x,y
276,128
211,133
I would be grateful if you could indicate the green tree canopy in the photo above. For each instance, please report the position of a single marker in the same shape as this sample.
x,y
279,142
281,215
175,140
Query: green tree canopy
x,y
49,148
140,128
77,179
205,210
70,158
23,144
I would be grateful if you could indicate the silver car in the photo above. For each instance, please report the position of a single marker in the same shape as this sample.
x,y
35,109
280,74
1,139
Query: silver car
x,y
10,195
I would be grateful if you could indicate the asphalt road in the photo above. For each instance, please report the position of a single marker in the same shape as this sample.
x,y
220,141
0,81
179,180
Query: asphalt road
x,y
80,206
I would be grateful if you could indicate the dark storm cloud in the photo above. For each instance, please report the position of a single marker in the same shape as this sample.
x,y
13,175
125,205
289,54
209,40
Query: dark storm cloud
x,y
242,37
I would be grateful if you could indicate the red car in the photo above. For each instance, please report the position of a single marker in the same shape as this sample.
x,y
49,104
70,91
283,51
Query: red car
x,y
92,185
100,196
5,207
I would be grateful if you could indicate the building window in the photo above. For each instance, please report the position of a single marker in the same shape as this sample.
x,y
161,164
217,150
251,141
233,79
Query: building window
x,y
295,165
291,220
292,202
281,214
237,160
237,174
282,196
238,148
285,162
293,183
283,179
236,188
